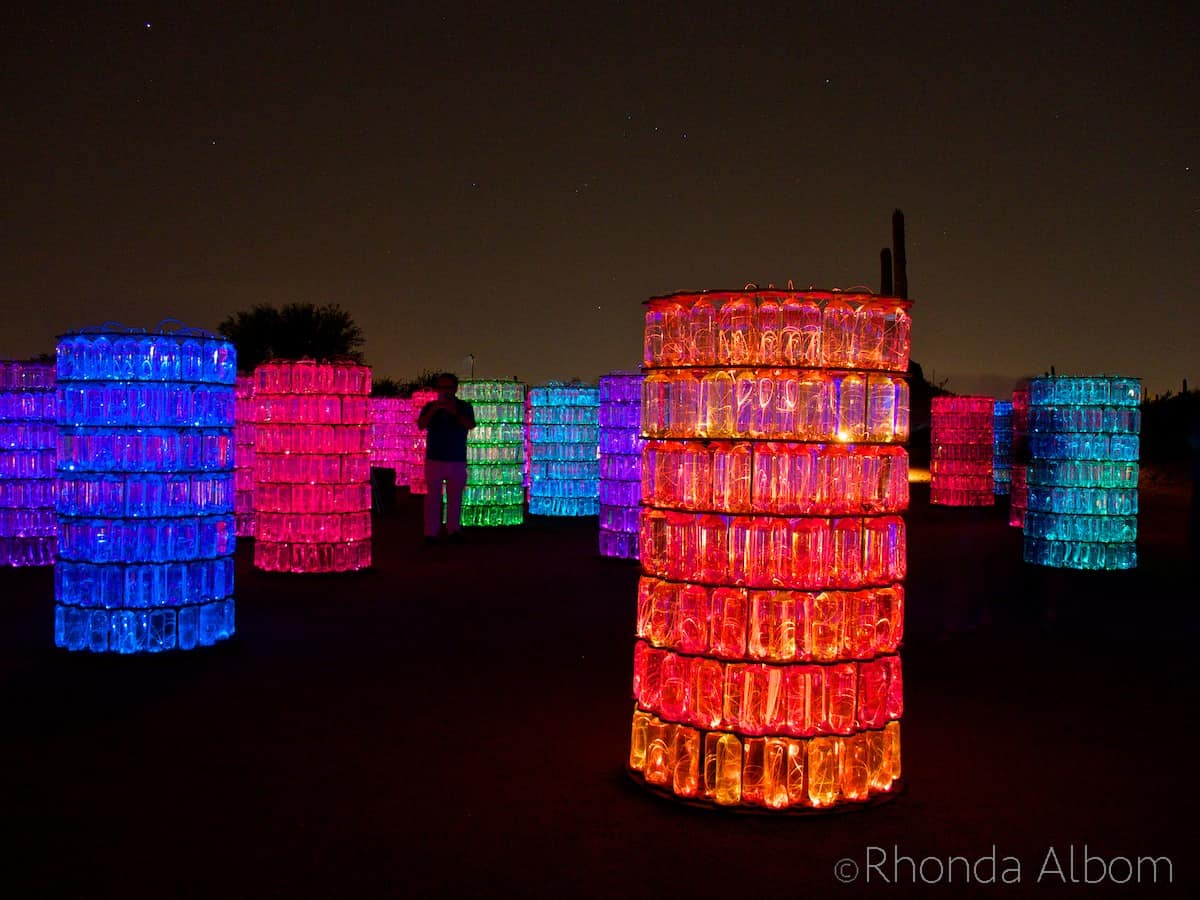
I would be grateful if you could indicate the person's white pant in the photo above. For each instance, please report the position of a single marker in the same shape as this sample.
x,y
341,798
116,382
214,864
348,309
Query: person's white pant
x,y
454,476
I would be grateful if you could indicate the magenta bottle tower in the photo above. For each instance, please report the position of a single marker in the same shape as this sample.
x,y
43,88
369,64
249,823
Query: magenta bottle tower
x,y
312,467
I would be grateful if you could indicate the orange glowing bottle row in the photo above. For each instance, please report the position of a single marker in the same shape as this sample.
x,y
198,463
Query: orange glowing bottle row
x,y
772,772
772,551
775,403
735,623
778,328
799,700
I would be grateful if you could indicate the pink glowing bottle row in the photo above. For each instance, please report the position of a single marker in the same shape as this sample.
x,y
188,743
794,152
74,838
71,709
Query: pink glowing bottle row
x,y
243,455
306,376
344,556
773,551
316,468
770,625
778,328
313,498
270,437
788,479
415,453
772,772
319,528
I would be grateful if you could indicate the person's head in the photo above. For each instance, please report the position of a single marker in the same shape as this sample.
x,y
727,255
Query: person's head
x,y
446,384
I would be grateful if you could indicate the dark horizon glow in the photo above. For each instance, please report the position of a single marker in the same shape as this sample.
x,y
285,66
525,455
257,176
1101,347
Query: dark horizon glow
x,y
512,183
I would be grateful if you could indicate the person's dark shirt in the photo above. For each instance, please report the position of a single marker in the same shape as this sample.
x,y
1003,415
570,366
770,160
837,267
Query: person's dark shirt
x,y
446,439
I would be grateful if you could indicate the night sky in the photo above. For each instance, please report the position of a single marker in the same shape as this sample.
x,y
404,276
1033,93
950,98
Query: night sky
x,y
512,180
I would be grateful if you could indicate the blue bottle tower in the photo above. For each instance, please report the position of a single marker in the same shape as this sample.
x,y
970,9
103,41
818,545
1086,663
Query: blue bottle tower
x,y
1084,439
564,449
145,496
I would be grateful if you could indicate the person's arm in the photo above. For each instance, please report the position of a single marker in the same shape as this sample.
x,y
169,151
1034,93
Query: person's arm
x,y
426,414
467,418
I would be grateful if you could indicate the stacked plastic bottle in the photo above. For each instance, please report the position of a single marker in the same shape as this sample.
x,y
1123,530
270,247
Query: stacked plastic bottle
x,y
1018,498
770,607
564,450
1083,472
495,453
621,445
243,455
414,448
961,459
389,435
145,497
28,522
312,472
527,474
1001,447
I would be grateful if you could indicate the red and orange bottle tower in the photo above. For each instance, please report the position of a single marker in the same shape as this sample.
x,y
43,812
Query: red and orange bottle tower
x,y
770,607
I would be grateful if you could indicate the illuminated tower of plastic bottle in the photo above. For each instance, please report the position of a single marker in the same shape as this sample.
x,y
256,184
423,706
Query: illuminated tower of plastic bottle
x,y
414,445
1002,447
621,445
770,607
1018,497
312,470
1083,472
28,522
564,450
243,455
145,490
961,439
389,434
495,453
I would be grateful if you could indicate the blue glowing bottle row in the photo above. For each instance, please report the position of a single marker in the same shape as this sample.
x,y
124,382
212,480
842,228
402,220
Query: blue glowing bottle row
x,y
143,585
621,445
564,434
183,356
143,631
146,498
1002,447
1082,479
28,524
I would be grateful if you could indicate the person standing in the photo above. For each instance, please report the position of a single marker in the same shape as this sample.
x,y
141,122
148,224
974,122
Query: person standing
x,y
446,422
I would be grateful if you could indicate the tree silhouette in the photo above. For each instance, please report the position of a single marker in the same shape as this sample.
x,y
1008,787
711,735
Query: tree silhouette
x,y
296,331
385,387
